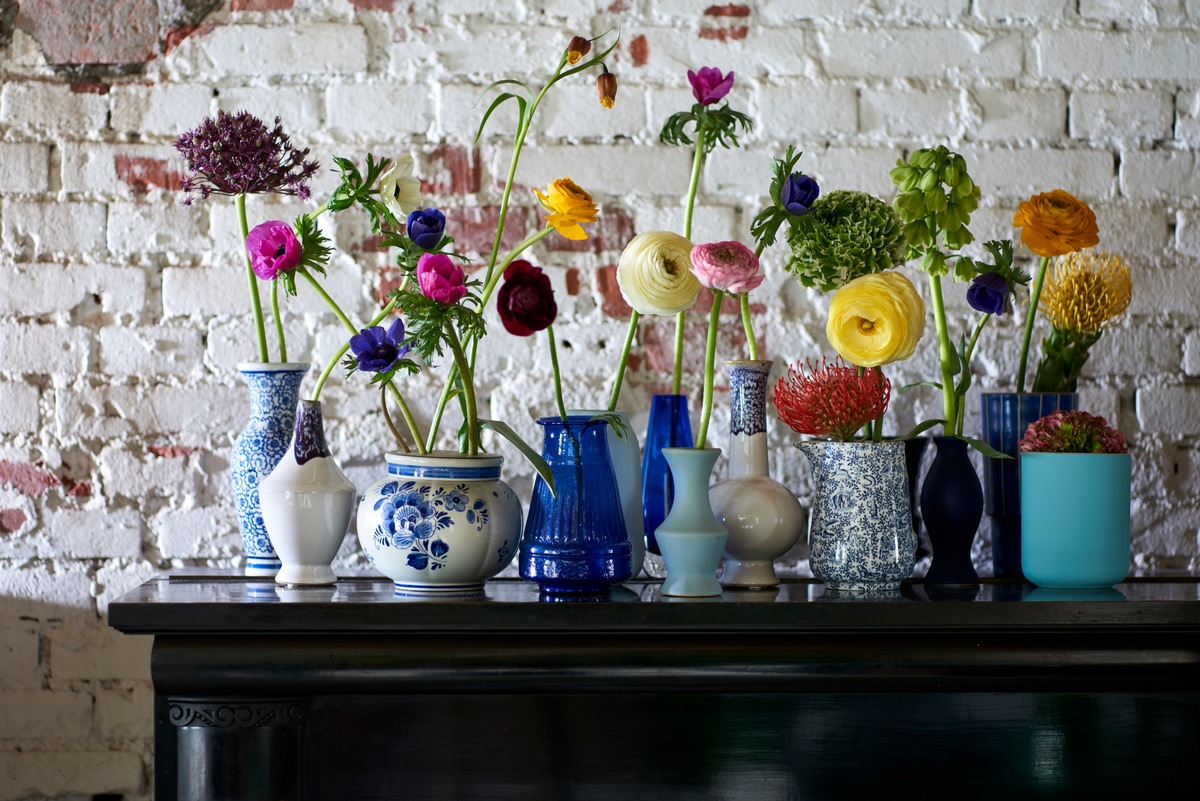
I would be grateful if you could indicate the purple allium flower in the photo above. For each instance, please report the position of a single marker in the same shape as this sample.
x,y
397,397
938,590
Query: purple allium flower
x,y
709,85
440,279
799,192
236,154
377,350
273,249
988,293
425,228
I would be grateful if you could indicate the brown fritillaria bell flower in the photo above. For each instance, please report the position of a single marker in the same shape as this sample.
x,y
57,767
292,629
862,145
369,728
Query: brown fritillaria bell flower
x,y
577,48
606,86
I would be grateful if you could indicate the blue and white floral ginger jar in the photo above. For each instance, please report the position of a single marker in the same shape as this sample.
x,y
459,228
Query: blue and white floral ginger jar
x,y
440,524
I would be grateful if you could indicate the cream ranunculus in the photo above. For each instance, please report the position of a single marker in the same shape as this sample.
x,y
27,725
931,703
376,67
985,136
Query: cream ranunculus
x,y
655,273
876,319
398,189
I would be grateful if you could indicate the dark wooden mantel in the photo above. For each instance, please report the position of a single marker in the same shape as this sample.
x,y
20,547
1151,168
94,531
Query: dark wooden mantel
x,y
350,692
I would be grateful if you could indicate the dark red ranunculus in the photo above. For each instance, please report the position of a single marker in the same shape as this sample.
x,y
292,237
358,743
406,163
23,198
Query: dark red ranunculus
x,y
526,300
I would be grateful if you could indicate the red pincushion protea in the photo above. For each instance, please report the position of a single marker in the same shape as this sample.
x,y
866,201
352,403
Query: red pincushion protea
x,y
831,400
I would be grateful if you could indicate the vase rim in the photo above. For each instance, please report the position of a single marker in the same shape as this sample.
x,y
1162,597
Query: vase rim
x,y
444,459
746,362
593,412
581,418
273,367
1014,392
1049,453
695,450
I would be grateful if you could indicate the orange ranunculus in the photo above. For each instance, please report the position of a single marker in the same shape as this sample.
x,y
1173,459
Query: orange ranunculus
x,y
1056,223
569,206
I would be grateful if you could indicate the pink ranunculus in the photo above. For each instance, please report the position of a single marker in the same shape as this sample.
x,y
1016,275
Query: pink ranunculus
x,y
441,279
273,249
727,266
709,85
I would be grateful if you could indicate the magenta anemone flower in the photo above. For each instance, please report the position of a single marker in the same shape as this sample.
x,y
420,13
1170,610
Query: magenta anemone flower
x,y
273,249
440,279
709,85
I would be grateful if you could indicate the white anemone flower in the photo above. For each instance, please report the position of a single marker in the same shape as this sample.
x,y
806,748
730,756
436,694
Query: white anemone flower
x,y
398,189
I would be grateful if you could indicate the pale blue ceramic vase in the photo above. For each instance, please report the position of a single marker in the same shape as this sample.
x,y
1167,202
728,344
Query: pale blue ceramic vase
x,y
1075,518
691,537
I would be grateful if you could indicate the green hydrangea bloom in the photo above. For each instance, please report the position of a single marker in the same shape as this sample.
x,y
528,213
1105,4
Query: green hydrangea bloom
x,y
846,234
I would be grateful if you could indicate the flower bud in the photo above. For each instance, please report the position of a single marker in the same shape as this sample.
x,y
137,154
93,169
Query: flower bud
x,y
928,181
606,87
577,48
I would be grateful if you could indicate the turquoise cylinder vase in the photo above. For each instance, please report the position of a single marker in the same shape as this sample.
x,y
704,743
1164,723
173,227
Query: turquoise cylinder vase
x,y
691,537
1075,518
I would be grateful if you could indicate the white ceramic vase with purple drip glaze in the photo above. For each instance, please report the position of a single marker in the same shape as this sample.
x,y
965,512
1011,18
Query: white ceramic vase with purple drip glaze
x,y
307,502
762,516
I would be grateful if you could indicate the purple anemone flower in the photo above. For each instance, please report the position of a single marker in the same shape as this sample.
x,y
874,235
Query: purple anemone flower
x,y
425,228
799,192
709,85
377,350
273,249
988,293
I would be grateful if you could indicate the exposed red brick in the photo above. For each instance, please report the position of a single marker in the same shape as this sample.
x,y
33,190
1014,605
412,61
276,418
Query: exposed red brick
x,y
639,48
730,304
611,302
90,88
262,5
389,279
474,228
12,519
143,173
730,10
611,232
573,281
634,363
27,479
725,34
618,6
78,489
374,5
452,170
172,451
93,31
173,37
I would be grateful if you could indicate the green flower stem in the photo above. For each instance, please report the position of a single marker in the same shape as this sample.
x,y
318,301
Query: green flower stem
x,y
337,358
677,370
710,353
387,417
962,405
558,394
464,369
493,279
697,165
616,390
409,420
278,320
260,328
1035,295
945,354
751,343
330,302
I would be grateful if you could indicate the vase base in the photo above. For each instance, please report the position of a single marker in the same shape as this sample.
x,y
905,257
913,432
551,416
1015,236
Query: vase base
x,y
306,576
691,587
863,586
749,574
440,590
260,566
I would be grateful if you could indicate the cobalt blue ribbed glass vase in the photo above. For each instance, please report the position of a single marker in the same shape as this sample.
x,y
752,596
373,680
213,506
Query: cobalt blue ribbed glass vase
x,y
575,540
669,427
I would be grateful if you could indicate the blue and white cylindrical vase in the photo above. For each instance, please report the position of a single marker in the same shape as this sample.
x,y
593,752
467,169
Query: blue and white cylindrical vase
x,y
860,534
439,523
691,537
1075,511
1004,418
762,516
274,395
627,467
669,427
575,539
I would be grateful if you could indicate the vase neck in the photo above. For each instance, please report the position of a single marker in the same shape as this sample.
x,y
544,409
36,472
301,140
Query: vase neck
x,y
581,439
747,417
309,439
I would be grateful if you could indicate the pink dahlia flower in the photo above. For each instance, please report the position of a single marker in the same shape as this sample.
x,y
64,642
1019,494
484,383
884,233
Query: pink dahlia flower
x,y
727,266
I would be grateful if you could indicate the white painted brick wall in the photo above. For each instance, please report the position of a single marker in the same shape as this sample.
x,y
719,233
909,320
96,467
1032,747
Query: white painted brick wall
x,y
123,313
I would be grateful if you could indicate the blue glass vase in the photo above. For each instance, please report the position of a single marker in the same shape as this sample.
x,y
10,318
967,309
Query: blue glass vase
x,y
274,396
669,427
1004,418
575,540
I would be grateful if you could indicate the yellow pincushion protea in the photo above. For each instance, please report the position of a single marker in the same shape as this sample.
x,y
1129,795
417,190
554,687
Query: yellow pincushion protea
x,y
1086,291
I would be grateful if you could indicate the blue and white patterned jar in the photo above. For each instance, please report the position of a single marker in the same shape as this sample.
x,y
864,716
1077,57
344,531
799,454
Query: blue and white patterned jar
x,y
439,524
860,532
274,396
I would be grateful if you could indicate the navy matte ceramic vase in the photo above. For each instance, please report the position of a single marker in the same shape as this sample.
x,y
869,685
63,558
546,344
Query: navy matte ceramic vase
x,y
669,427
1004,418
951,508
575,540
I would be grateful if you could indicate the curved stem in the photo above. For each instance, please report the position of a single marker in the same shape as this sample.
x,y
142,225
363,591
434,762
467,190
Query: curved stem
x,y
387,417
710,352
962,404
697,163
409,420
949,399
320,290
490,284
558,395
337,358
751,343
1035,295
260,328
278,320
616,390
677,368
464,370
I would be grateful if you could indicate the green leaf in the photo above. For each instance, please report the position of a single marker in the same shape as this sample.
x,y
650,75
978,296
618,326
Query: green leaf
x,y
935,384
535,458
521,105
984,448
614,422
921,428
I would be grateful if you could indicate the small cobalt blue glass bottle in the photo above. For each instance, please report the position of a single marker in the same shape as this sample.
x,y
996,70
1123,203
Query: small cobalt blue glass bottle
x,y
669,427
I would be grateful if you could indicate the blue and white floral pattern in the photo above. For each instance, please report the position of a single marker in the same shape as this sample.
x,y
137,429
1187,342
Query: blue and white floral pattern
x,y
747,396
861,532
274,395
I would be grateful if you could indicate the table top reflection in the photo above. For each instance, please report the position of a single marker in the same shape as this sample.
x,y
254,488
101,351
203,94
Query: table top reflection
x,y
206,603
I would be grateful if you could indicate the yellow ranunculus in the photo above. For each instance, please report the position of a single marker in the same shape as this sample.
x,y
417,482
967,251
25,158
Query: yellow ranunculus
x,y
569,206
655,273
876,319
1056,223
